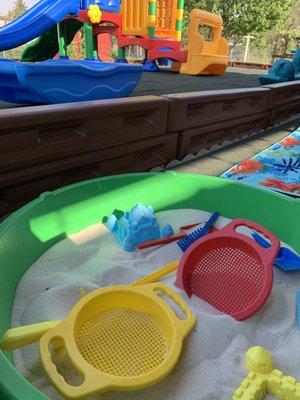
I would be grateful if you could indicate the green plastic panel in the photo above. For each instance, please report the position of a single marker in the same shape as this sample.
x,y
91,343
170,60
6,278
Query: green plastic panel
x,y
29,232
180,4
179,25
152,8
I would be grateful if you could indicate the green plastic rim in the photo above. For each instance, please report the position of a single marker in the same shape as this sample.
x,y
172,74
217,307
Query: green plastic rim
x,y
29,232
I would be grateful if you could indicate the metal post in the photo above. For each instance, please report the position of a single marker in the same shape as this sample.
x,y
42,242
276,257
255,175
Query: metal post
x,y
247,47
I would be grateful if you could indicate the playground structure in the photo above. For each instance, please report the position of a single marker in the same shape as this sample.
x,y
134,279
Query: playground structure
x,y
51,25
155,26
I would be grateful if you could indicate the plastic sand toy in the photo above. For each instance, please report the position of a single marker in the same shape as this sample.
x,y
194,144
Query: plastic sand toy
x,y
263,379
137,226
117,338
229,270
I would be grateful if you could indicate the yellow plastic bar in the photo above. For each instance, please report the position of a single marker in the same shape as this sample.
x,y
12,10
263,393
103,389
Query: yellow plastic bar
x,y
179,15
158,274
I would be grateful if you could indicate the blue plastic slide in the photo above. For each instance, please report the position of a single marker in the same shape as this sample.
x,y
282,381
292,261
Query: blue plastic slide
x,y
36,21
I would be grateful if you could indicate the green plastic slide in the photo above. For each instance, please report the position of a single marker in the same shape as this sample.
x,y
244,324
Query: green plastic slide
x,y
45,47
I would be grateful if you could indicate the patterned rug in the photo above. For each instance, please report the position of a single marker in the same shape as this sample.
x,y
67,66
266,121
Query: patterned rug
x,y
276,168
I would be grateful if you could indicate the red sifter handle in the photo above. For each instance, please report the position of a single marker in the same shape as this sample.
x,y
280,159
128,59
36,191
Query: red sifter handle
x,y
268,254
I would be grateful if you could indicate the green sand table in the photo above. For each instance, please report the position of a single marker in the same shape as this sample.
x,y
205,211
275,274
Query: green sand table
x,y
29,232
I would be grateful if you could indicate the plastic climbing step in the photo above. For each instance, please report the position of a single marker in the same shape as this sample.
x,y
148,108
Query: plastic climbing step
x,y
45,47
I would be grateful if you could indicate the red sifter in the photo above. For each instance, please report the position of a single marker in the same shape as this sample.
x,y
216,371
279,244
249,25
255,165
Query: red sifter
x,y
230,270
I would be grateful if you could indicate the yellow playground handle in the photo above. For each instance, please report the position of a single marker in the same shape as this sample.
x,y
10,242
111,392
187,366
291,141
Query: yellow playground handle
x,y
15,338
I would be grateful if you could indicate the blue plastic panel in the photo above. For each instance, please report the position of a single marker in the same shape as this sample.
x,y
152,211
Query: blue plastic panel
x,y
63,81
296,62
105,5
298,308
11,90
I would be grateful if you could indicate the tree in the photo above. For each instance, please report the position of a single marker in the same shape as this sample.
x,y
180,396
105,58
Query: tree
x,y
18,9
283,38
241,18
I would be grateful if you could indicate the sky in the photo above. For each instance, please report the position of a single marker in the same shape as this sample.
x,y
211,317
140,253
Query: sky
x,y
5,5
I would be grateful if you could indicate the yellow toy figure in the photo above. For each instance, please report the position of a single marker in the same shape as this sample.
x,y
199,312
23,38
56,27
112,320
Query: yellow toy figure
x,y
263,379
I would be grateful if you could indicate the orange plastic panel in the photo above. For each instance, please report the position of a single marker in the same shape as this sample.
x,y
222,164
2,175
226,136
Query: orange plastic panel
x,y
166,19
135,19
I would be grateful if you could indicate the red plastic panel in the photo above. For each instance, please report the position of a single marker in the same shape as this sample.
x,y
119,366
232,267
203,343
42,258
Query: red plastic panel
x,y
180,56
127,41
157,44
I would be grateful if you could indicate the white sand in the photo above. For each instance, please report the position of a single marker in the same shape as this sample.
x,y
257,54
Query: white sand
x,y
211,365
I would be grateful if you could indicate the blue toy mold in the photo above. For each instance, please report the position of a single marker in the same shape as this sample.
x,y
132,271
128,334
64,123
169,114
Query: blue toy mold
x,y
136,226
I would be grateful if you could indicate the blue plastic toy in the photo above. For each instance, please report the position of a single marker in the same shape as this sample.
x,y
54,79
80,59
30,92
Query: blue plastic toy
x,y
281,71
286,259
296,62
187,241
137,226
298,308
150,66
